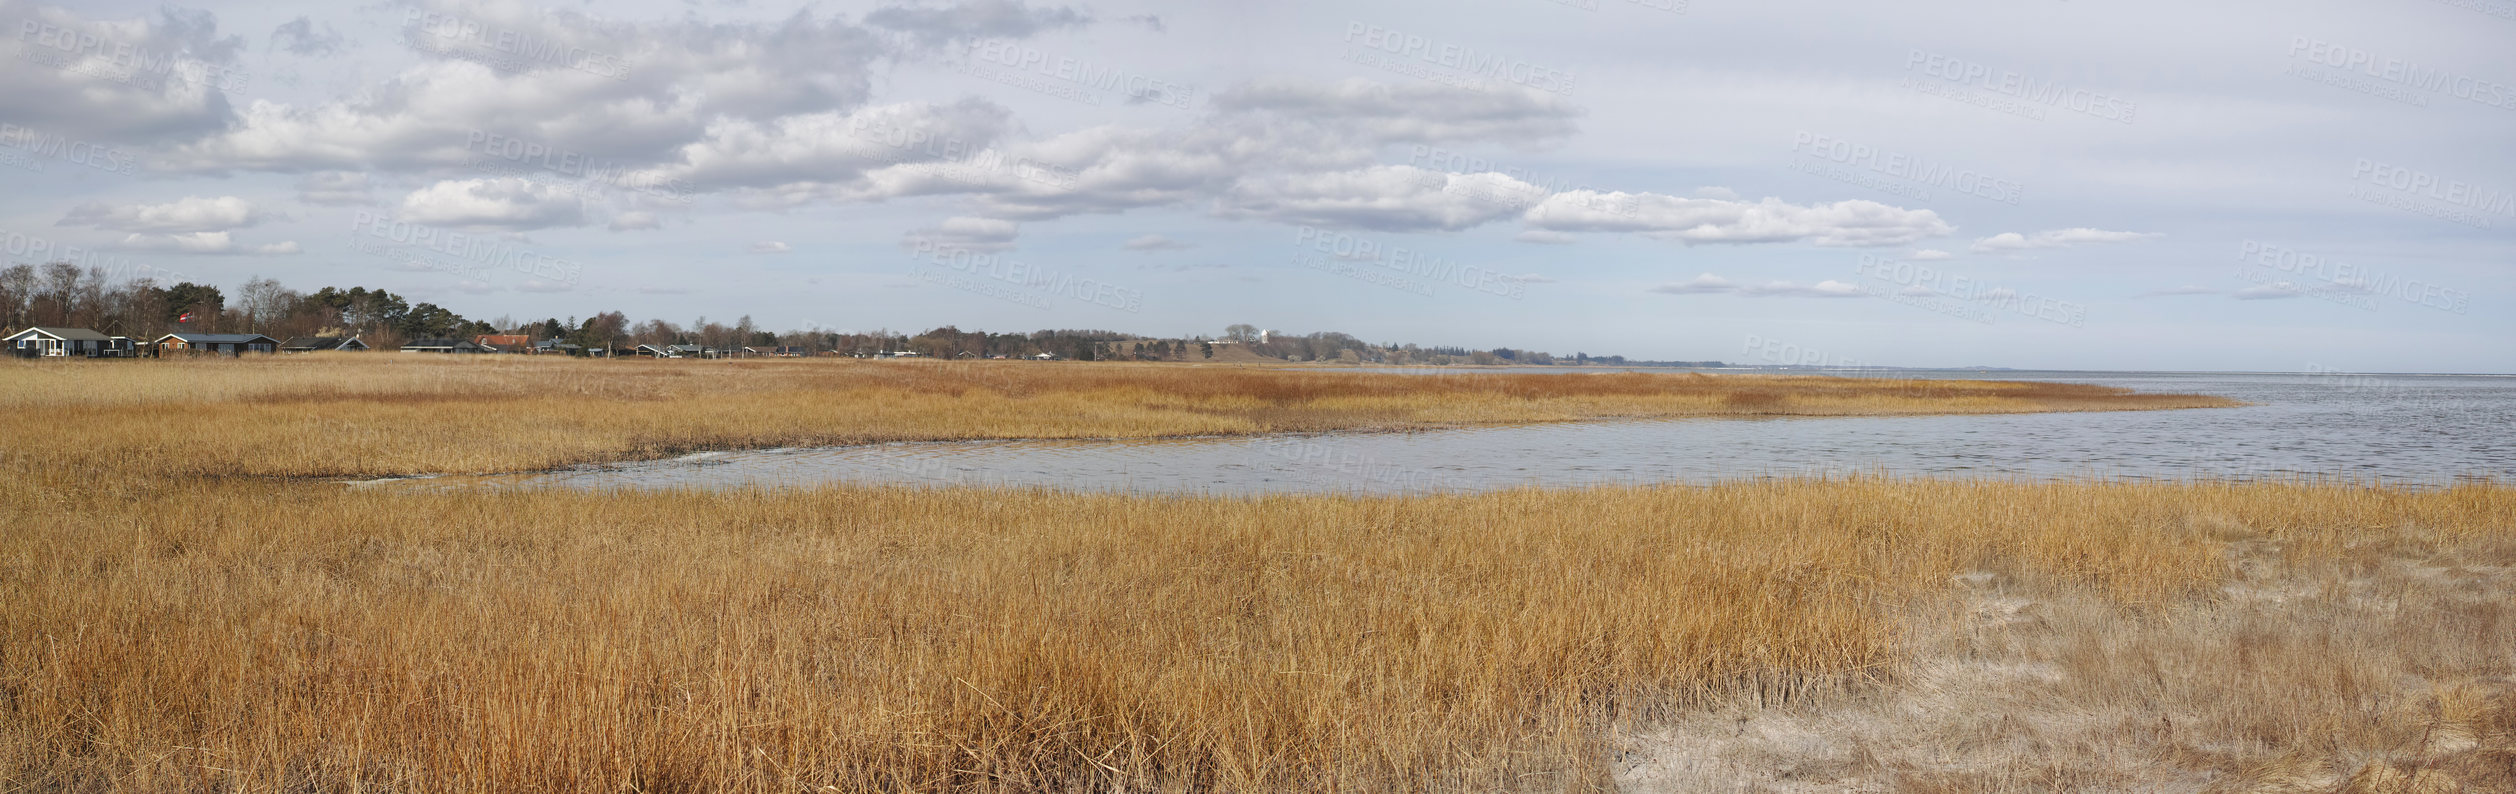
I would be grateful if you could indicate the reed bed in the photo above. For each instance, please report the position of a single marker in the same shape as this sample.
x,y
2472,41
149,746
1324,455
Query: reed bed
x,y
269,636
367,415
172,626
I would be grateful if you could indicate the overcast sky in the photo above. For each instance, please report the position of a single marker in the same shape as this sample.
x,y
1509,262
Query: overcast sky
x,y
2070,184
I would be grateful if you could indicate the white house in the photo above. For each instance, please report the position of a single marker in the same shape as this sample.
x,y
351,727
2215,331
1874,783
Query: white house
x,y
49,342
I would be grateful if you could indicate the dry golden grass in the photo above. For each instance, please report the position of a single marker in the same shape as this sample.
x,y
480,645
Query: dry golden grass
x,y
273,636
165,630
373,414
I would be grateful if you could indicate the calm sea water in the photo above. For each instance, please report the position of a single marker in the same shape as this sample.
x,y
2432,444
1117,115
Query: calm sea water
x,y
2400,429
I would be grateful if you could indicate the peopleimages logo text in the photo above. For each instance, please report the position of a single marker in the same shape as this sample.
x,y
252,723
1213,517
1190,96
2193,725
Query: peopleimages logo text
x,y
2012,84
1086,74
1471,61
2402,72
480,249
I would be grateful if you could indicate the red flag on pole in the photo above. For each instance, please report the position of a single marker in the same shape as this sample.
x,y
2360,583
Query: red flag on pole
x,y
184,317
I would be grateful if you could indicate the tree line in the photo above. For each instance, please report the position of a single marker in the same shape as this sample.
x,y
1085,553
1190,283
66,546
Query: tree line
x,y
62,294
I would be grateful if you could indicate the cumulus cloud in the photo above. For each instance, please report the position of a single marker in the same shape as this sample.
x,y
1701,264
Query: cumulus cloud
x,y
1388,198
831,154
341,188
205,243
1155,242
1111,169
975,19
503,202
612,92
964,234
2055,238
771,247
189,214
144,78
1709,221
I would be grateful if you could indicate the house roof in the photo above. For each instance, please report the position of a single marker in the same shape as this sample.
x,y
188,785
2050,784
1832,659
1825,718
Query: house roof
x,y
63,334
217,339
319,342
439,343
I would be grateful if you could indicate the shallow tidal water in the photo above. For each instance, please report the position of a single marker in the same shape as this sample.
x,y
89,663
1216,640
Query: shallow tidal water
x,y
2395,429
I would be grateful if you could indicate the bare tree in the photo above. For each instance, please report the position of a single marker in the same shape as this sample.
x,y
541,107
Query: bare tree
x,y
264,302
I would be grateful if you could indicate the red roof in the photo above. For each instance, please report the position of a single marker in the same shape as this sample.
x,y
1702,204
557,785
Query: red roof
x,y
502,340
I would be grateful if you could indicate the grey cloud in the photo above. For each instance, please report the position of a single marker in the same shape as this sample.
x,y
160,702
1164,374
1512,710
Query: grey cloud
x,y
965,234
618,94
1380,113
178,92
341,188
299,37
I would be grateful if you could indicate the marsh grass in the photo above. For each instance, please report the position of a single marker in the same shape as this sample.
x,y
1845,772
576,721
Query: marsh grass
x,y
169,628
269,636
366,415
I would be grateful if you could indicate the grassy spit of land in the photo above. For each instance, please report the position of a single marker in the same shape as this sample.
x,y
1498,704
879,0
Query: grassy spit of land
x,y
379,414
166,630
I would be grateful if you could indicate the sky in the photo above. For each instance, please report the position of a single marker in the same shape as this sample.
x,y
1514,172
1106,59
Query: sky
x,y
2265,186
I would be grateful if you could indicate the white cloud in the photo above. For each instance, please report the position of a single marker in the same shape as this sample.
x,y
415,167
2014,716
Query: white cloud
x,y
1388,198
1929,255
1700,285
1709,284
1829,288
831,154
1707,221
203,243
771,247
2056,238
1155,242
503,202
189,214
2276,290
